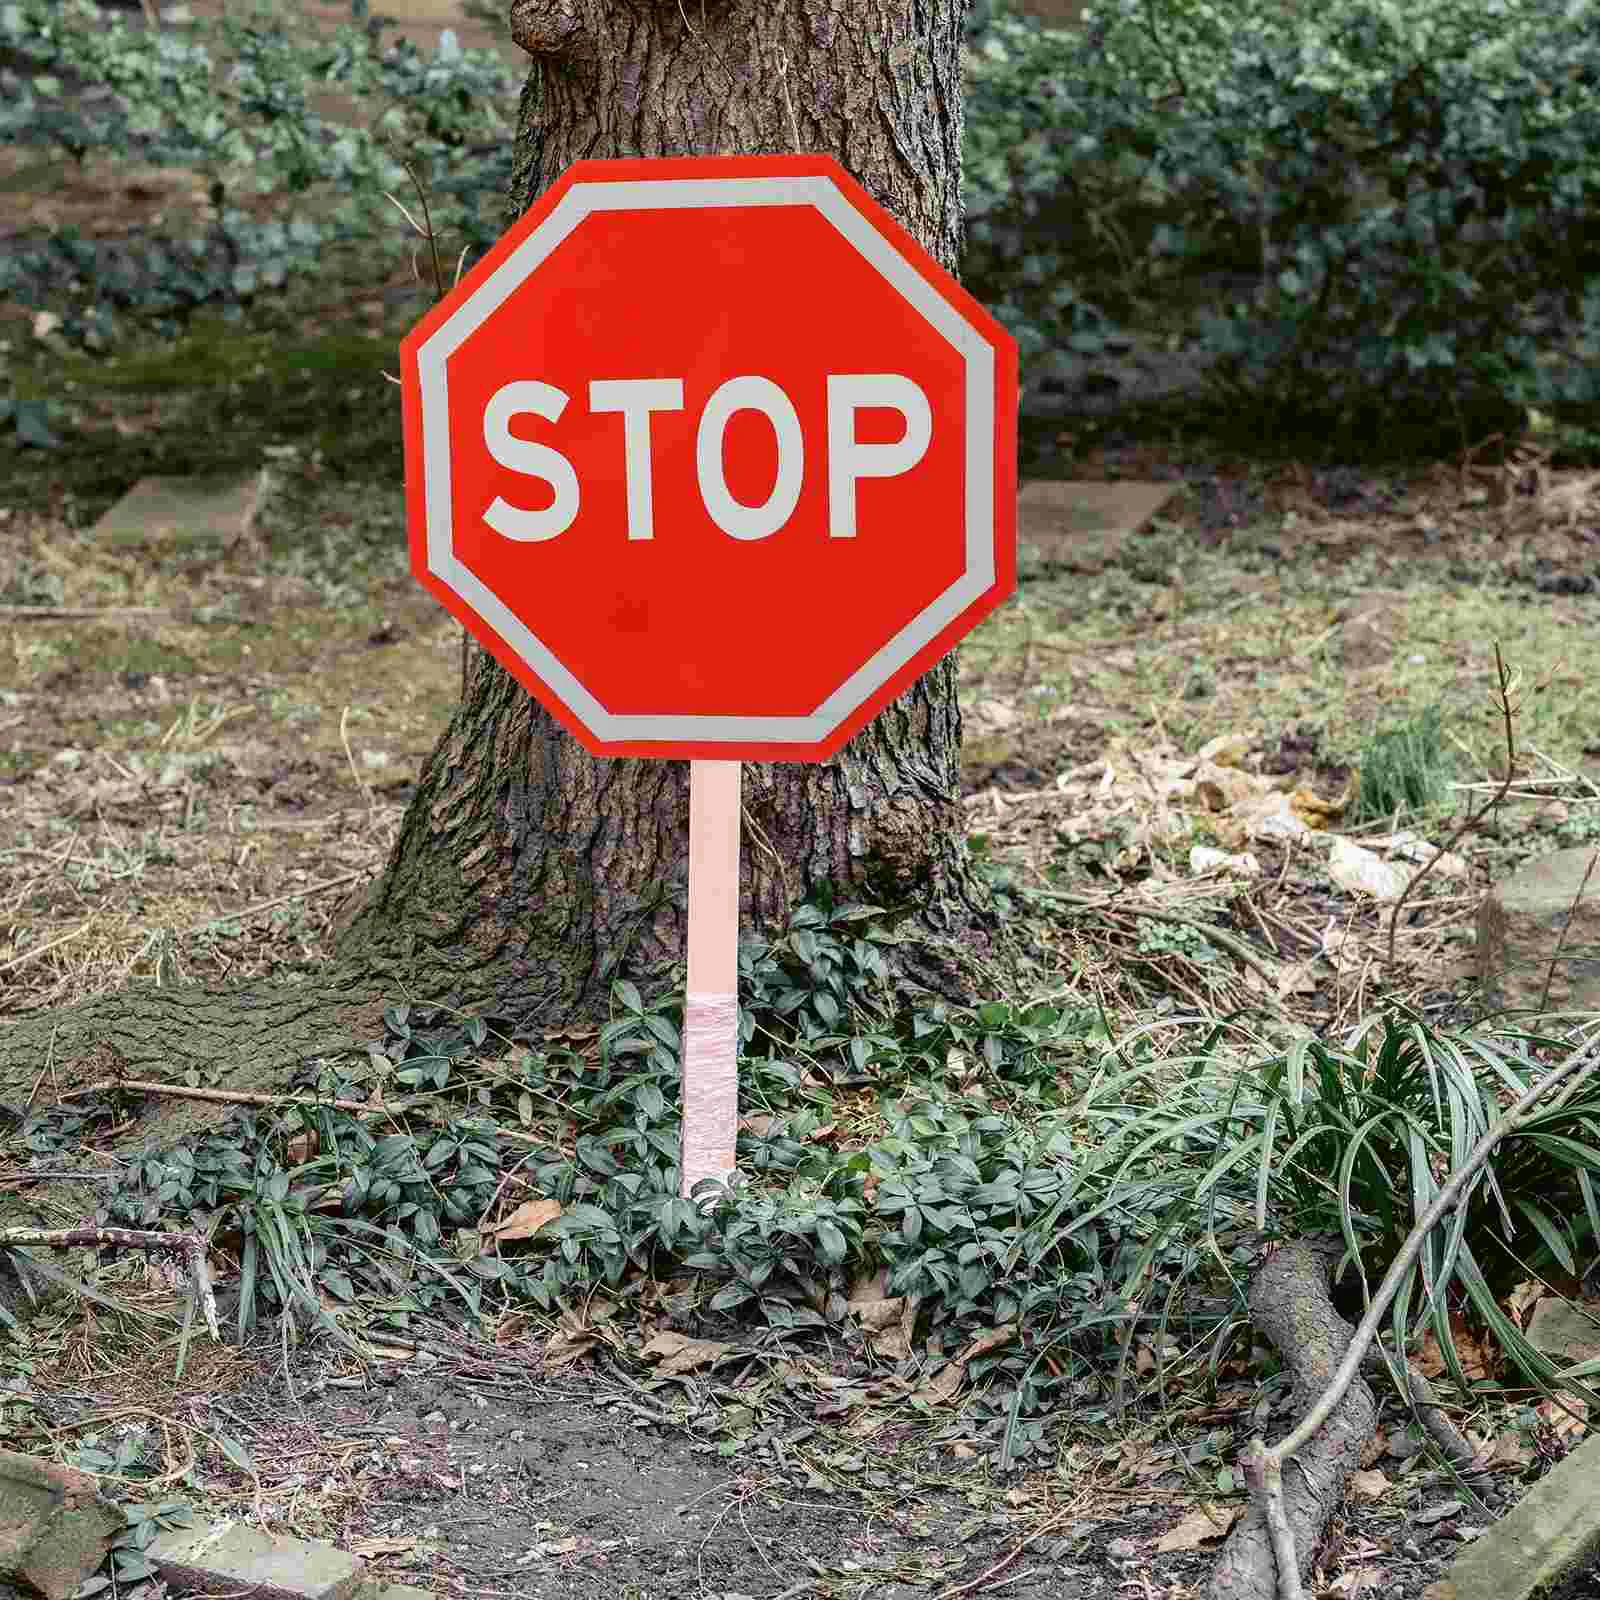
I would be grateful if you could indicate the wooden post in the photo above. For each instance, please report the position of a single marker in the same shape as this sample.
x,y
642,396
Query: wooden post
x,y
711,1004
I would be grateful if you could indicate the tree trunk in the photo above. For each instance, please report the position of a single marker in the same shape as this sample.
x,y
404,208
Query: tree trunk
x,y
526,870
1291,1305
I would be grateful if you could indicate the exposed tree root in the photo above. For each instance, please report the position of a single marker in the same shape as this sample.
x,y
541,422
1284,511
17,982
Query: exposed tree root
x,y
1290,1304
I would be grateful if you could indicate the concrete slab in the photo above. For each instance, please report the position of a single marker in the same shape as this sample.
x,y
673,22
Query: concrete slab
x,y
228,1558
184,511
55,1526
1541,1546
1566,1332
1539,935
1084,525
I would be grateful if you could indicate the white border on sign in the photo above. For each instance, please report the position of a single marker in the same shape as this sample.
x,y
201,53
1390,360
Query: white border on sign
x,y
583,200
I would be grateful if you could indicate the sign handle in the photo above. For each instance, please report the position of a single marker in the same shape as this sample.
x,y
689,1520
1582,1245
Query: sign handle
x,y
711,1005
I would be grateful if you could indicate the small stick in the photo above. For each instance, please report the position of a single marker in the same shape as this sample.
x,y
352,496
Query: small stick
x,y
244,1097
189,1246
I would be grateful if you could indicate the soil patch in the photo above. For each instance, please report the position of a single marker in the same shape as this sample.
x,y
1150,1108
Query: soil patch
x,y
470,1469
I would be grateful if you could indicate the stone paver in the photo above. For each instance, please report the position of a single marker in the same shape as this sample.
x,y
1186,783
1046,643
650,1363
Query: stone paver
x,y
183,511
1566,1332
55,1525
227,1558
1524,922
1084,525
1541,1546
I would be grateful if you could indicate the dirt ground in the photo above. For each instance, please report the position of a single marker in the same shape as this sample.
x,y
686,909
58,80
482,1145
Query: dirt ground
x,y
467,1469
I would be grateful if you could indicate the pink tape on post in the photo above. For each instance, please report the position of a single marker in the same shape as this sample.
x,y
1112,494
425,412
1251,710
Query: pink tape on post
x,y
711,1005
710,1086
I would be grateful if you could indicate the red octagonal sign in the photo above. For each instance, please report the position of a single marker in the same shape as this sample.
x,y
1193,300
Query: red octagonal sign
x,y
712,456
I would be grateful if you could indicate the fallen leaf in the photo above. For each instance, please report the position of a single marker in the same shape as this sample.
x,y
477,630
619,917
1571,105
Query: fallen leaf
x,y
568,1345
991,1339
943,1386
1227,749
873,1315
676,1353
992,716
1509,1450
1369,1485
1358,1580
1360,871
1205,1523
1205,858
526,1220
1566,1414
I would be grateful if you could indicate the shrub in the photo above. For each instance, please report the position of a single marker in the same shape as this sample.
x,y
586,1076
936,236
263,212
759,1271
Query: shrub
x,y
256,143
1397,175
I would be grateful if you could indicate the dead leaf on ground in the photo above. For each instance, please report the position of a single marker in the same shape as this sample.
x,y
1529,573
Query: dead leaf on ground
x,y
676,1353
1477,1357
1510,1451
566,1346
944,1385
1358,1580
526,1220
1566,1414
990,1339
1369,1485
1206,1522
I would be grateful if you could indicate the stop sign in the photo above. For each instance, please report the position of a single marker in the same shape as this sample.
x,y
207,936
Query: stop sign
x,y
712,456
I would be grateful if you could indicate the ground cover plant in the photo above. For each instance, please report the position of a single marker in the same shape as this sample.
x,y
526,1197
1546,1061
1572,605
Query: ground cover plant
x,y
1062,1185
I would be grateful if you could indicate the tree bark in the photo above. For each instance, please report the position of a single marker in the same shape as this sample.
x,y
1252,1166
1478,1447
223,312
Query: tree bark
x,y
526,868
526,873
1290,1304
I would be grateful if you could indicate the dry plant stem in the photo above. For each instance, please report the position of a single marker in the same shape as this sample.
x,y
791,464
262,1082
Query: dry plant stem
x,y
277,900
242,1097
79,613
54,944
231,1097
190,1247
1265,1466
983,1578
1508,712
1224,941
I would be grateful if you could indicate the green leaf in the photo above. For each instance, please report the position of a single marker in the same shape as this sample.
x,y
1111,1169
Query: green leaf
x,y
31,418
627,996
832,1242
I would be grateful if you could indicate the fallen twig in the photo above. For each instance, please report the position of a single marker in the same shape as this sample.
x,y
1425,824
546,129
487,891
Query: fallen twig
x,y
189,1246
54,944
80,613
1217,936
247,1097
1263,1466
